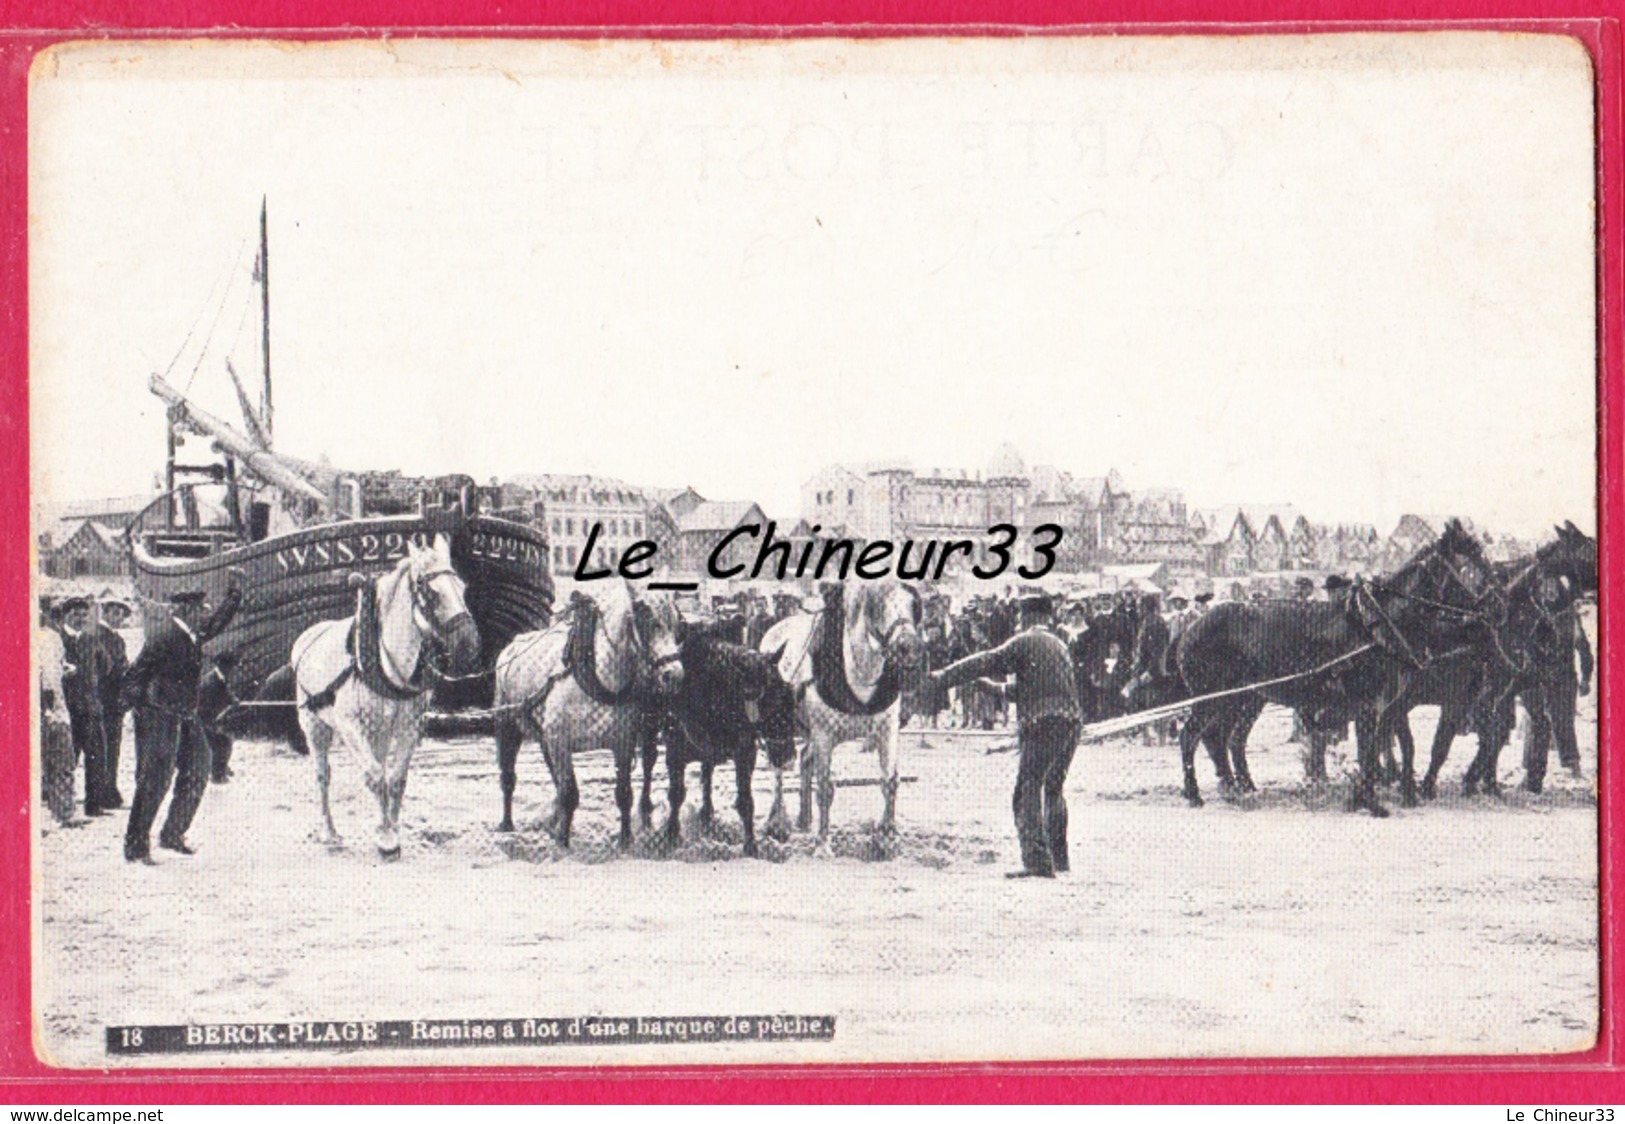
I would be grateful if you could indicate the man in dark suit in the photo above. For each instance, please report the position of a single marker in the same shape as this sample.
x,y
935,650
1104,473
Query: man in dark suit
x,y
82,690
162,687
115,614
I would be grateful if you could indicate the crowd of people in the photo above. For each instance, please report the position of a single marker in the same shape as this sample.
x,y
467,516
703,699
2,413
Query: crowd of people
x,y
176,700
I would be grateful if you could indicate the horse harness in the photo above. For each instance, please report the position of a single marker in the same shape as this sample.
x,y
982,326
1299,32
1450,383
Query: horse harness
x,y
581,662
829,667
363,640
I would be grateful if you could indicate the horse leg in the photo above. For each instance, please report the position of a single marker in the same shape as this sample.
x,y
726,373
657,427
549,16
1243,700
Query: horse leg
x,y
1400,730
822,748
744,767
569,798
778,820
1188,737
646,805
1450,716
396,763
889,754
1246,714
1494,731
1537,743
676,766
1564,699
550,758
623,791
1364,794
349,732
808,757
1314,758
319,736
708,811
510,736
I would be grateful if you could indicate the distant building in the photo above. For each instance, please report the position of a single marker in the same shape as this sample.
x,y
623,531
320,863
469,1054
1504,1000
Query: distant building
x,y
1226,538
1344,548
702,528
893,501
84,538
1154,526
1413,532
92,550
569,506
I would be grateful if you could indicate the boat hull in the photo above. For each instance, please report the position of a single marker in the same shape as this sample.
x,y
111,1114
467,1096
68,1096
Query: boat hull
x,y
302,578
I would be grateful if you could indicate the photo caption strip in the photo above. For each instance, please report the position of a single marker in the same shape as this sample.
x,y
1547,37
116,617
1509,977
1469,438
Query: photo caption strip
x,y
593,1030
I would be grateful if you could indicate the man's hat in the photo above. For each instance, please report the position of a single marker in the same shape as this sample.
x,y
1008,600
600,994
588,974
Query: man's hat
x,y
1335,582
117,603
1178,599
69,604
187,597
1204,598
1034,603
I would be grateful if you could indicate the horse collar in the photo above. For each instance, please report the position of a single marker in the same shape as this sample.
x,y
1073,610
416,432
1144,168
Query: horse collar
x,y
366,638
829,669
581,656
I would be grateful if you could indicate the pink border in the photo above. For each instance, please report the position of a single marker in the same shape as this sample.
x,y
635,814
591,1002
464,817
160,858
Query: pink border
x,y
1595,1076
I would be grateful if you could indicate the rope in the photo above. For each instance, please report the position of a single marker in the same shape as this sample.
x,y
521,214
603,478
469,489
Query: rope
x,y
213,324
1096,730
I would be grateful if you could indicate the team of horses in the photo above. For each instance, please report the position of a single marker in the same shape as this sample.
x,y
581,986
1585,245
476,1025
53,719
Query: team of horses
x,y
622,669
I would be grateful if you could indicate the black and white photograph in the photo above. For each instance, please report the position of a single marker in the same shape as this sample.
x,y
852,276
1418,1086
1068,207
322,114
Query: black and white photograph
x,y
817,550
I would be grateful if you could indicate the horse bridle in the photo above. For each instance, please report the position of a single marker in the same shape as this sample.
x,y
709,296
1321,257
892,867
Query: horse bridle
x,y
652,663
900,622
421,604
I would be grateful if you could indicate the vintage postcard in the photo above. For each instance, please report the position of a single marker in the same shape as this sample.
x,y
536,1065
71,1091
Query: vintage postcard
x,y
897,550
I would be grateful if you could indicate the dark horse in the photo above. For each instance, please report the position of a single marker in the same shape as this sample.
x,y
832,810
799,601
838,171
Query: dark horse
x,y
729,696
1329,658
1475,684
1533,657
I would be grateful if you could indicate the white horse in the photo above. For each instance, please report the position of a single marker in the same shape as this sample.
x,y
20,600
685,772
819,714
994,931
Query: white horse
x,y
848,664
365,679
582,684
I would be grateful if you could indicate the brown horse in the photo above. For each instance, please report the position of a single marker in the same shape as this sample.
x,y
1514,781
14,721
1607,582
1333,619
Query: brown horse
x,y
1350,656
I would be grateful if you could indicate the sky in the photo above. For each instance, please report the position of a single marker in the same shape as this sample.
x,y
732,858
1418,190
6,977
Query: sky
x,y
1354,273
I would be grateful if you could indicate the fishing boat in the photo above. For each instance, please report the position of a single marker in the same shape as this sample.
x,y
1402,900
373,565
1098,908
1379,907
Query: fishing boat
x,y
304,537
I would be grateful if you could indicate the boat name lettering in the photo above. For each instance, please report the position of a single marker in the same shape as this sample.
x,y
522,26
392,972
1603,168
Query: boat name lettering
x,y
486,545
361,548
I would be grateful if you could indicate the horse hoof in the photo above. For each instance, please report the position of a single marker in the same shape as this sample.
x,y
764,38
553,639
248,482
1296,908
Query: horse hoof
x,y
1193,799
329,839
1533,788
778,830
389,854
1378,811
823,850
506,827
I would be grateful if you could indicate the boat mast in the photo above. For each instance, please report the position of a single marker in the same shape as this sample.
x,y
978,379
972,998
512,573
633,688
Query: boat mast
x,y
264,272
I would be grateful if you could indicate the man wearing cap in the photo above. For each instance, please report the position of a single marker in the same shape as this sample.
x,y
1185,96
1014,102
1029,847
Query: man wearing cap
x,y
162,687
115,614
81,688
1048,715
